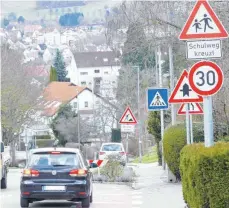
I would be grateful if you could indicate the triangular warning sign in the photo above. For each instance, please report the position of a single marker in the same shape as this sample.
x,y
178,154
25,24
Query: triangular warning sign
x,y
157,100
128,117
203,23
194,108
183,93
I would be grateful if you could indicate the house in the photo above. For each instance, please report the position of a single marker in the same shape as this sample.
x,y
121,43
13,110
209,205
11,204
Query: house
x,y
91,106
98,71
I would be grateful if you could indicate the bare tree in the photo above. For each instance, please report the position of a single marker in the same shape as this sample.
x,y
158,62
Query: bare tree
x,y
19,95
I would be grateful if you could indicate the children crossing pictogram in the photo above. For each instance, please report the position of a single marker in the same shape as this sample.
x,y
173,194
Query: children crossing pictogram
x,y
203,23
157,100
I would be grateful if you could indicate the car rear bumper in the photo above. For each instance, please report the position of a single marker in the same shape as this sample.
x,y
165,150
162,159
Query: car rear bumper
x,y
77,190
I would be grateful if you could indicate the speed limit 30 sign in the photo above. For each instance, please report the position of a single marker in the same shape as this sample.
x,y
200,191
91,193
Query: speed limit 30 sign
x,y
206,78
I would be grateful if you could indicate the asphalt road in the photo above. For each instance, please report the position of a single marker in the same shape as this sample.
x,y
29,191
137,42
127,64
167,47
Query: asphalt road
x,y
105,195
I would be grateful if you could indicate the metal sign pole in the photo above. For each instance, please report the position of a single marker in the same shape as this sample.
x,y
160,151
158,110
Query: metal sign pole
x,y
191,128
208,122
187,124
127,146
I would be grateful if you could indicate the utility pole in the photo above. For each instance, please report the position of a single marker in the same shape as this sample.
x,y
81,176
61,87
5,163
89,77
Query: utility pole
x,y
156,63
78,112
162,112
171,71
139,121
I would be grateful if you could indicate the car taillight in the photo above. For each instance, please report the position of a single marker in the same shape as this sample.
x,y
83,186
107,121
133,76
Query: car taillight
x,y
30,173
101,153
80,172
122,153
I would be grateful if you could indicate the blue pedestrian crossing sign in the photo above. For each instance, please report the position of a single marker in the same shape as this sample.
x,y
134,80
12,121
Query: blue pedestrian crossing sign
x,y
157,99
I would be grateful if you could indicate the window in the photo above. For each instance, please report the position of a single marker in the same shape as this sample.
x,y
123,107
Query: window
x,y
113,82
51,160
97,71
83,83
83,73
106,72
75,104
112,147
85,104
97,102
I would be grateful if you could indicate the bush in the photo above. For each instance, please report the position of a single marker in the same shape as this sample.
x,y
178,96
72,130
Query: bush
x,y
43,137
45,143
113,169
173,142
205,175
224,139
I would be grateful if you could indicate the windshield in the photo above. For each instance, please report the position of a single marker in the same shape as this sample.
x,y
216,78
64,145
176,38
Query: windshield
x,y
49,159
112,147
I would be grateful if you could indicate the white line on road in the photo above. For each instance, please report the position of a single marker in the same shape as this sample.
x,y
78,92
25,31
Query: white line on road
x,y
137,202
136,197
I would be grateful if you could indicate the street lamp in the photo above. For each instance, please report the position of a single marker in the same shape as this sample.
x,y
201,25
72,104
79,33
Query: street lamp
x,y
139,120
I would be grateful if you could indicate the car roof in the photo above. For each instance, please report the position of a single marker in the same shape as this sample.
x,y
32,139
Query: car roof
x,y
59,149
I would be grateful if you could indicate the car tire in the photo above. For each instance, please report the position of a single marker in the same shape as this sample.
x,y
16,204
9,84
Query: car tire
x,y
86,202
4,183
91,198
24,202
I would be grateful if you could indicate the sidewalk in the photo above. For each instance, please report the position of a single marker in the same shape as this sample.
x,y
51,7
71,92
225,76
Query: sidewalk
x,y
157,192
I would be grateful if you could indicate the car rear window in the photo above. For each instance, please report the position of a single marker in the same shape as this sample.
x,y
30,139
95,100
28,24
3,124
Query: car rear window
x,y
112,147
58,159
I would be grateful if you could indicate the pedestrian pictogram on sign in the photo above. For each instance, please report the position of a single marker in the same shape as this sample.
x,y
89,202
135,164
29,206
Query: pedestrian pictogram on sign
x,y
128,117
157,99
206,78
183,93
194,108
203,23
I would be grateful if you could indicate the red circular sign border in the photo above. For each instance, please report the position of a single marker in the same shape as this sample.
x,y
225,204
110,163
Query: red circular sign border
x,y
220,77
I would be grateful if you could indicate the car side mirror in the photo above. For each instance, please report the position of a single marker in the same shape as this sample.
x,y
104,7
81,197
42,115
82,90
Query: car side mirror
x,y
93,165
2,147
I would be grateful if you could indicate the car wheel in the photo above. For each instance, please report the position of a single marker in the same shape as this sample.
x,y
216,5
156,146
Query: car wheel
x,y
86,202
4,183
91,198
24,202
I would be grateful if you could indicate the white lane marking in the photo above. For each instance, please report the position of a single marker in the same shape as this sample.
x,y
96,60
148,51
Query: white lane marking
x,y
136,197
137,202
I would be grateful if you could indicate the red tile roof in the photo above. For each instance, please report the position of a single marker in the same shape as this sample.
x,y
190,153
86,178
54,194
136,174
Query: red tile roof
x,y
57,93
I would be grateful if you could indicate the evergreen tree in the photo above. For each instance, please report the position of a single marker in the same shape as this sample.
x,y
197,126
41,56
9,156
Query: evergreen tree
x,y
21,19
136,48
59,65
53,75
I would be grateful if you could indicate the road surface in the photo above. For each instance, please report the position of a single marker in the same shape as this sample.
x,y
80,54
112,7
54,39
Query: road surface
x,y
105,195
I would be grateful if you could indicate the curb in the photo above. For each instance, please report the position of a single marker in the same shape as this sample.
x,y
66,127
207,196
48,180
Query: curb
x,y
114,183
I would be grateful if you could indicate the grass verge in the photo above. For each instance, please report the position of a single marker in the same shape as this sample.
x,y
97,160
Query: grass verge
x,y
150,157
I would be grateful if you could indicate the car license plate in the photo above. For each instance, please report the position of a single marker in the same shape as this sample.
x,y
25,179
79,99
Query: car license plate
x,y
53,188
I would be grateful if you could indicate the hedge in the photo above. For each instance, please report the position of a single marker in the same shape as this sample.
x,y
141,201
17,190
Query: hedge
x,y
173,142
205,175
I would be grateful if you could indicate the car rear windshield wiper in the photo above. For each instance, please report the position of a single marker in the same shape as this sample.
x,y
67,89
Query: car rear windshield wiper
x,y
58,165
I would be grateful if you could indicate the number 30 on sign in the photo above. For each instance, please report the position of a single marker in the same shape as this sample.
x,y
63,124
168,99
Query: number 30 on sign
x,y
206,78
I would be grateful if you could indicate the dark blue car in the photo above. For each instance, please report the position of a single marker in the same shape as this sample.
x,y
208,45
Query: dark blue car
x,y
56,174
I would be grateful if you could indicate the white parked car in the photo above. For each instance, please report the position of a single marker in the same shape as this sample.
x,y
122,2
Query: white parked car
x,y
113,149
